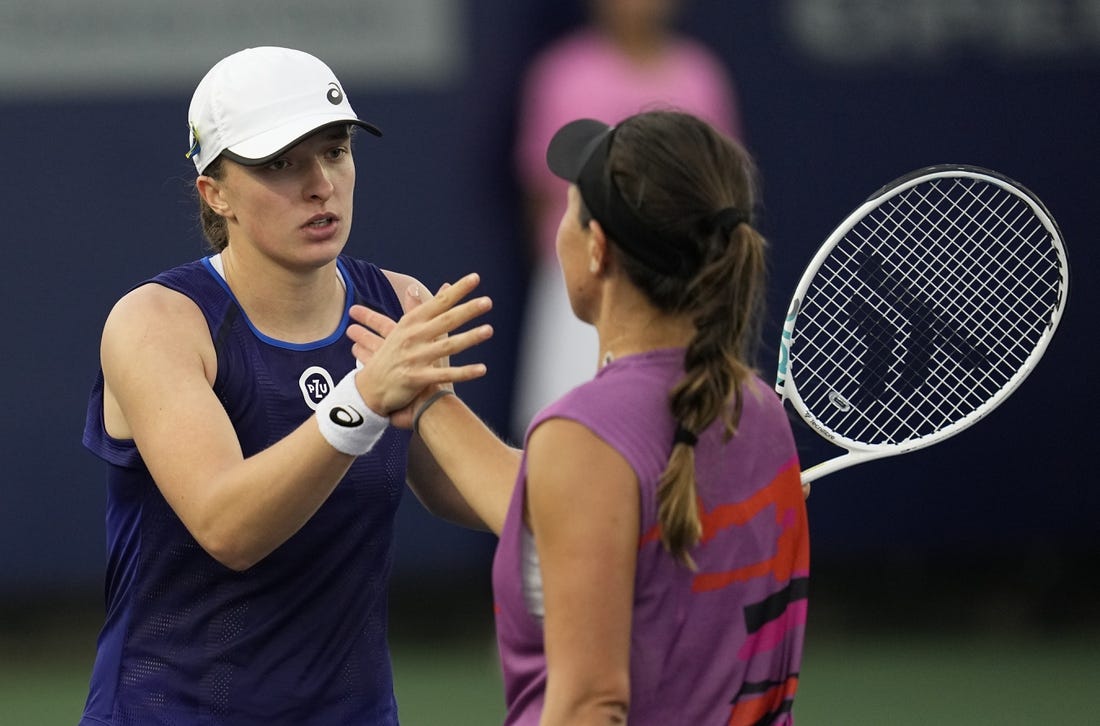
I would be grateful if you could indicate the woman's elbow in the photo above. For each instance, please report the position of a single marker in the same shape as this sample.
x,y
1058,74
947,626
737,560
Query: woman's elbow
x,y
455,512
614,702
605,704
230,550
611,710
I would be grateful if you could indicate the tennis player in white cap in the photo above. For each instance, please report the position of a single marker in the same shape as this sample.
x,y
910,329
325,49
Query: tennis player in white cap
x,y
252,471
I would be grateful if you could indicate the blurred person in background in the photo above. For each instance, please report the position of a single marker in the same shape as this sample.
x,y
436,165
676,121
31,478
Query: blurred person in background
x,y
252,474
653,555
627,58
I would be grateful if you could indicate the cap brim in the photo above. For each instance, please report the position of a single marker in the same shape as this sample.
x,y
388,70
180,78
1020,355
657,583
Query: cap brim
x,y
572,145
268,146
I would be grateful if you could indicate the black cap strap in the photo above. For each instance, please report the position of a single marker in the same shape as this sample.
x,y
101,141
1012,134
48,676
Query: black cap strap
x,y
620,219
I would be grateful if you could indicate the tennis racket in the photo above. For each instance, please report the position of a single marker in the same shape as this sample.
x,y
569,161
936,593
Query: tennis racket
x,y
921,313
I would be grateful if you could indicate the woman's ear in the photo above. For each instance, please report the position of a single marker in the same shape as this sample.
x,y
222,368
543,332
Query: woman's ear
x,y
210,190
597,248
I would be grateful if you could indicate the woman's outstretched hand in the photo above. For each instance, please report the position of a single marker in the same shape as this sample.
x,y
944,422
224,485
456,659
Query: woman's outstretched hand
x,y
399,360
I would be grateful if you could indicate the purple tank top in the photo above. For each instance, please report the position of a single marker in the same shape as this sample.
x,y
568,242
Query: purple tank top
x,y
722,644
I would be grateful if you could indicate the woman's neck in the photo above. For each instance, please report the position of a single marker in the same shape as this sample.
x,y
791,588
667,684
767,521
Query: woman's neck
x,y
288,305
629,324
676,335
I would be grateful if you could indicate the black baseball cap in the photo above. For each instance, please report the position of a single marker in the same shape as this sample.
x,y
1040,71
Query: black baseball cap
x,y
578,153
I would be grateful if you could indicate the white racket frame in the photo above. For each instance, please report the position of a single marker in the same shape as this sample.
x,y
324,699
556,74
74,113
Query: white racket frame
x,y
859,452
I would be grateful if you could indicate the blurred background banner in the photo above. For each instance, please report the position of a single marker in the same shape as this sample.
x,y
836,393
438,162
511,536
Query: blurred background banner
x,y
838,97
938,33
134,47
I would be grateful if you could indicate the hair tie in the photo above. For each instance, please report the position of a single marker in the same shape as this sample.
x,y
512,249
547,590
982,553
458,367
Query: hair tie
x,y
727,220
683,436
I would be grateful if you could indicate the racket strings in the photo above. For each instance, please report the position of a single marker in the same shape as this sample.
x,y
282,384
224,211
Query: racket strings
x,y
1002,228
994,267
1029,238
926,310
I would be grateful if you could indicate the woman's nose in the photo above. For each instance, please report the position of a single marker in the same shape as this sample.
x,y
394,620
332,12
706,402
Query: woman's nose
x,y
318,184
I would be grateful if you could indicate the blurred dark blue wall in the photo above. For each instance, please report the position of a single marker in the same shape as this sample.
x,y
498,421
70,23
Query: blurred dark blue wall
x,y
96,198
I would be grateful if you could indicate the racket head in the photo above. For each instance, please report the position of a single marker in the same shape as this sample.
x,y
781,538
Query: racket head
x,y
923,310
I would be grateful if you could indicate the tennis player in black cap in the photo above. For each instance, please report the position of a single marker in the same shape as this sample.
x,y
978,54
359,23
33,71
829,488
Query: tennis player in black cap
x,y
654,555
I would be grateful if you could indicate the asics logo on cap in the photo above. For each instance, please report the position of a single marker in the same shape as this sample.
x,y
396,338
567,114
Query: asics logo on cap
x,y
334,95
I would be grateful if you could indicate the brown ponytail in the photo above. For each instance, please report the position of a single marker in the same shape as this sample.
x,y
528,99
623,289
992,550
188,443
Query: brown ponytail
x,y
693,184
729,293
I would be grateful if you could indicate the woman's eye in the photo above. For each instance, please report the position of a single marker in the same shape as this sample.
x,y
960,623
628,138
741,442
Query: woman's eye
x,y
278,165
338,152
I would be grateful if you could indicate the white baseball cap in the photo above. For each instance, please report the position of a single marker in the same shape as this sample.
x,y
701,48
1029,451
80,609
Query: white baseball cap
x,y
257,103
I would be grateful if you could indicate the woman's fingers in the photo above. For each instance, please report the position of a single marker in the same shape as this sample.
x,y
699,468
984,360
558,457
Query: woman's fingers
x,y
447,321
402,358
378,323
455,374
450,293
365,337
459,342
449,296
441,314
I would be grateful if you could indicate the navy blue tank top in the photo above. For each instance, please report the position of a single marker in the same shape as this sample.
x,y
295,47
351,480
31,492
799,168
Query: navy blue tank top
x,y
299,638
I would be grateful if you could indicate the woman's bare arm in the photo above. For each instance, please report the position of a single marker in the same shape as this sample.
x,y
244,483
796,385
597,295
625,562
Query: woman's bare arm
x,y
584,512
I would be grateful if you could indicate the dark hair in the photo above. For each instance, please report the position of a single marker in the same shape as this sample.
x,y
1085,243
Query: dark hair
x,y
214,227
681,177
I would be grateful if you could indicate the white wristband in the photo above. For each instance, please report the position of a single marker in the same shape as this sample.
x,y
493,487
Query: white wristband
x,y
347,422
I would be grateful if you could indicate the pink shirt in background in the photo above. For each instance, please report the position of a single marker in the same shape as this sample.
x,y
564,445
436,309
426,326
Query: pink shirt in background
x,y
586,76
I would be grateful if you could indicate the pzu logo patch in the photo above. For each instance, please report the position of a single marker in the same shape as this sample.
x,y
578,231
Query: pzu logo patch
x,y
315,383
